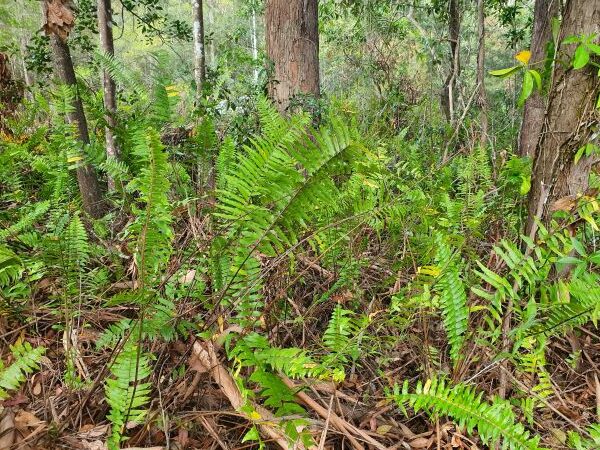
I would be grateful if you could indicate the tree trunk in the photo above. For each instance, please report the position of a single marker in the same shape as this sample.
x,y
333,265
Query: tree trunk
x,y
535,106
292,38
449,89
199,57
108,84
483,105
89,185
254,47
569,121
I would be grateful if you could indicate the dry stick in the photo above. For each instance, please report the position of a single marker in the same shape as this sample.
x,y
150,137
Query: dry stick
x,y
209,362
343,426
326,427
459,123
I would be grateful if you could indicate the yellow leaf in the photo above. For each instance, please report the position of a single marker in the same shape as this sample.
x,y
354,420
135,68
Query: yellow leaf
x,y
254,415
523,56
74,159
172,94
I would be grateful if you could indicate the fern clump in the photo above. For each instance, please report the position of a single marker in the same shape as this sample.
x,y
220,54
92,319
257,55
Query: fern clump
x,y
495,421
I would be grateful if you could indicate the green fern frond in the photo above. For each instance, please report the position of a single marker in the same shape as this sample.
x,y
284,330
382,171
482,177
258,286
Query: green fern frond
x,y
26,361
26,221
577,442
11,266
495,422
126,393
453,298
152,227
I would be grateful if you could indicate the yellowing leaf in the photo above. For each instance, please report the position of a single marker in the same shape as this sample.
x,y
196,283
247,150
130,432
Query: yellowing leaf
x,y
254,415
523,56
74,159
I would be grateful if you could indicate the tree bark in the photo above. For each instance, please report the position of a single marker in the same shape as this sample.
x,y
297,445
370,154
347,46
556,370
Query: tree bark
x,y
254,46
199,56
569,122
292,38
89,185
448,96
535,106
108,84
483,104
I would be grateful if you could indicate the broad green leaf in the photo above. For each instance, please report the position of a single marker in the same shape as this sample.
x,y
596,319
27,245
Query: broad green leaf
x,y
581,57
525,185
537,77
527,88
502,73
579,154
571,40
594,48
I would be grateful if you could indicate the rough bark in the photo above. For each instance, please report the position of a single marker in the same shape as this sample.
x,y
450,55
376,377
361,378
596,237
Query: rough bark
x,y
59,20
483,104
11,93
535,106
570,120
448,96
292,39
199,56
108,84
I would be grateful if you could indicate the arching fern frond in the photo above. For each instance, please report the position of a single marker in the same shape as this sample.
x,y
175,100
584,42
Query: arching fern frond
x,y
26,361
126,393
494,421
453,298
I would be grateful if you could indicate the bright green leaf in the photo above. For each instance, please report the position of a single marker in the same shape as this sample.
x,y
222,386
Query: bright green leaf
x,y
581,57
503,73
526,89
537,77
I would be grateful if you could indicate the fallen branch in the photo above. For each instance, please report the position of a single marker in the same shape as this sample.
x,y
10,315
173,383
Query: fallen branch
x,y
204,359
343,426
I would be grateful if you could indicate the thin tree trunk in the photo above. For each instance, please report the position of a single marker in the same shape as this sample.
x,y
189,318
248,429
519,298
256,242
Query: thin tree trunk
x,y
108,84
483,104
292,38
535,106
448,96
89,185
199,56
569,121
254,46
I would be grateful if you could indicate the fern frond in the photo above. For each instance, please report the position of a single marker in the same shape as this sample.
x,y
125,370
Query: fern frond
x,y
126,393
26,361
453,298
495,421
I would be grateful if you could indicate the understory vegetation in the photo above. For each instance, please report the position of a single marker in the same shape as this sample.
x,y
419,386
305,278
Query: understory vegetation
x,y
354,271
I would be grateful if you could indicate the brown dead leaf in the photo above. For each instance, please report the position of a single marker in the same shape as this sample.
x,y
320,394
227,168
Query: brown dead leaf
x,y
25,419
92,432
37,389
383,429
421,442
59,18
7,429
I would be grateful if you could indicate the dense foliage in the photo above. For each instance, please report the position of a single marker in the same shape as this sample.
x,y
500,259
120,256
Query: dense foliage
x,y
313,279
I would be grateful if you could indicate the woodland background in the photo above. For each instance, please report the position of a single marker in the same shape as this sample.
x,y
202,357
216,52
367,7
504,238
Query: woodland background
x,y
299,224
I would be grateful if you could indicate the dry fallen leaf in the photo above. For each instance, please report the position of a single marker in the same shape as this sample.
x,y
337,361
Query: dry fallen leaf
x,y
383,429
25,419
421,442
7,429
